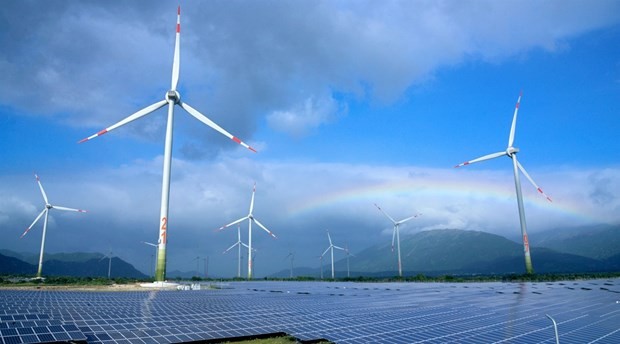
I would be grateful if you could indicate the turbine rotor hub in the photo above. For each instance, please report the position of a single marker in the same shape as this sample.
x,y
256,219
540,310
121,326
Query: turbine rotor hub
x,y
173,96
512,150
48,206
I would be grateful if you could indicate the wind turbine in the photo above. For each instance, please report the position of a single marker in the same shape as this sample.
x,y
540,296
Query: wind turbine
x,y
155,246
239,243
292,256
250,218
171,98
45,211
197,260
346,250
331,247
396,234
511,152
109,256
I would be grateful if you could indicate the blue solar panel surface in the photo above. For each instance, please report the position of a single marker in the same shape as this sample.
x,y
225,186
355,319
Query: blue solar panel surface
x,y
342,312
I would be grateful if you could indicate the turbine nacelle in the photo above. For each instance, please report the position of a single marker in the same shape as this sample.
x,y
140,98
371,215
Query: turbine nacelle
x,y
173,97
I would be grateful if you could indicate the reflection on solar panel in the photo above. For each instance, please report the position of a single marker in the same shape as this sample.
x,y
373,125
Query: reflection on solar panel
x,y
586,312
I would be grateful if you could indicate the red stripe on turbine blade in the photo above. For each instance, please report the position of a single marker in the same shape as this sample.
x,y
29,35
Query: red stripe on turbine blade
x,y
178,28
236,140
179,10
102,132
252,149
540,190
517,106
549,199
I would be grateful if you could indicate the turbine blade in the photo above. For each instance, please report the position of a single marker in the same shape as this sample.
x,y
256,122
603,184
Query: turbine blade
x,y
511,139
41,187
68,209
33,222
263,227
230,248
482,158
232,223
329,237
532,181
239,233
338,248
252,201
384,213
212,124
150,244
147,110
176,60
246,246
409,218
326,250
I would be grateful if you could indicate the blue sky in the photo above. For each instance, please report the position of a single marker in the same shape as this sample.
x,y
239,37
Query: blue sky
x,y
348,104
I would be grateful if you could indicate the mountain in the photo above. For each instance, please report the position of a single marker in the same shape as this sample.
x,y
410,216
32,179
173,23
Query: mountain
x,y
32,258
69,264
13,266
448,251
597,242
445,250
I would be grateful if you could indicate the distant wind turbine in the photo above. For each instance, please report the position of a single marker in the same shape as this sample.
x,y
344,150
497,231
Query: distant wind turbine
x,y
396,234
331,248
45,211
511,152
197,260
239,243
109,256
346,250
171,98
250,218
156,247
292,256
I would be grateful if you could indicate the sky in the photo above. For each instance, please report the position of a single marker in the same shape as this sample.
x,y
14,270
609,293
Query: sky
x,y
347,103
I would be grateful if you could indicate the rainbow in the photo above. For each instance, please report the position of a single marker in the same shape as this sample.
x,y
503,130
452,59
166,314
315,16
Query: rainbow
x,y
420,188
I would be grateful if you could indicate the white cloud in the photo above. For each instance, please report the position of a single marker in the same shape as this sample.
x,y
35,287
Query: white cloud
x,y
245,62
304,117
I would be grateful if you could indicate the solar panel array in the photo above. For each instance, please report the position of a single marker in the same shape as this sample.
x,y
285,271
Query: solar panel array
x,y
586,312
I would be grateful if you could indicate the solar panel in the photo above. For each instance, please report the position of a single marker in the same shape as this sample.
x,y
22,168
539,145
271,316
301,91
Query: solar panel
x,y
586,311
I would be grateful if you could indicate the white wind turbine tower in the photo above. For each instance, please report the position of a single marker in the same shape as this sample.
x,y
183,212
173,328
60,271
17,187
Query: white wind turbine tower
x,y
511,152
45,211
250,218
396,234
331,248
239,243
171,98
